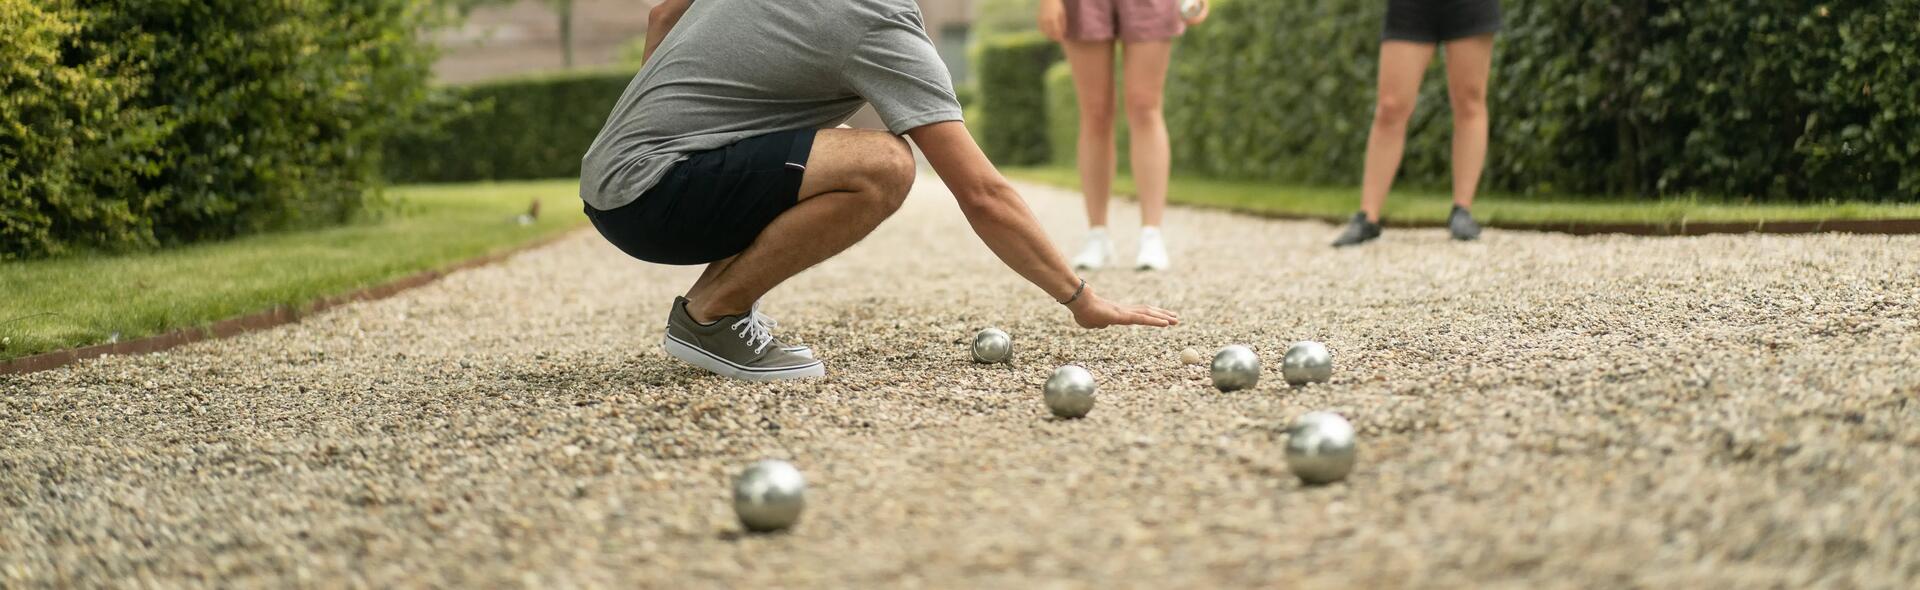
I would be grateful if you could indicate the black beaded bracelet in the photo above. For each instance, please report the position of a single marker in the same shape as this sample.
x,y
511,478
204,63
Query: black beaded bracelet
x,y
1076,293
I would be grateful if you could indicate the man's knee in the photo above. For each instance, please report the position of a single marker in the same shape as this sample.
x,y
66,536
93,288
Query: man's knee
x,y
899,166
874,166
890,172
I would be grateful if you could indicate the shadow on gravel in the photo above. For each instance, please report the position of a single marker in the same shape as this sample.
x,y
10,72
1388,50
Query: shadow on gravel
x,y
736,535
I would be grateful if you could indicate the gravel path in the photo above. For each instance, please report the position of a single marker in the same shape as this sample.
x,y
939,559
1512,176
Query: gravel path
x,y
1534,410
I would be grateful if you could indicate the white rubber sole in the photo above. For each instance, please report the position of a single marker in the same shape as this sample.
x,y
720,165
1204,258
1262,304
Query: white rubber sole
x,y
700,358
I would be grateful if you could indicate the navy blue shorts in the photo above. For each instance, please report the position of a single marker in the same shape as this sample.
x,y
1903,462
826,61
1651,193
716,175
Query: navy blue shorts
x,y
1440,21
713,204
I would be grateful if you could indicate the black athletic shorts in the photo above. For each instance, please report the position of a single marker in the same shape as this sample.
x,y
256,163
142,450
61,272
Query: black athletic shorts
x,y
1440,21
713,204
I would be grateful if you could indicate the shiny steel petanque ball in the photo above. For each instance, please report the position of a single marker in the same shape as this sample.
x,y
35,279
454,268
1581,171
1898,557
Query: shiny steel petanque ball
x,y
1236,367
1069,393
1191,8
1320,448
769,495
992,346
1307,362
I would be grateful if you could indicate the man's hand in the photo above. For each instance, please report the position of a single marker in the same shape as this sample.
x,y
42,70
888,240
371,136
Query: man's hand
x,y
1001,219
1053,19
1092,312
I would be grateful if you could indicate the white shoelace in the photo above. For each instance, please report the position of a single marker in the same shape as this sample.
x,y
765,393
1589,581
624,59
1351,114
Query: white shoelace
x,y
765,320
753,329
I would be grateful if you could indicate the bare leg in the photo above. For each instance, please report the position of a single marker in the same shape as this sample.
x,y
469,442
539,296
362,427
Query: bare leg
x,y
707,276
1092,64
1146,80
855,179
1401,66
1468,63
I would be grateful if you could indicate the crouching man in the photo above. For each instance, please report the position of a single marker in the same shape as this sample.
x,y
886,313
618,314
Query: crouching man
x,y
722,152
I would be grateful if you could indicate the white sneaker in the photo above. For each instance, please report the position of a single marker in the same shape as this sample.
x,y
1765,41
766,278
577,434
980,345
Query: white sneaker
x,y
1095,253
1153,251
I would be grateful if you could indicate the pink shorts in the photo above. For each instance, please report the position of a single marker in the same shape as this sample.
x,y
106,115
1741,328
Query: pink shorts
x,y
1126,20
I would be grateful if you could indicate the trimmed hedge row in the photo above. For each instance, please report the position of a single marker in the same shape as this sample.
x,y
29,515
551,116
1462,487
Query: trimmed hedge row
x,y
133,123
1011,113
66,116
522,128
1772,100
1794,100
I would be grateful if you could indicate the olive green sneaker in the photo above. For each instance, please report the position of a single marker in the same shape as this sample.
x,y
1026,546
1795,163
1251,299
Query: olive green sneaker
x,y
740,347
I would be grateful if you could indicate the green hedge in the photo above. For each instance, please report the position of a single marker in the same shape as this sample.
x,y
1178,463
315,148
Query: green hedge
x,y
515,129
73,146
1744,99
1791,100
134,123
1011,117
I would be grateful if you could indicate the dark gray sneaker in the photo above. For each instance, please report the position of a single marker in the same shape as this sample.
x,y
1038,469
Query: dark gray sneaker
x,y
1359,231
1462,225
738,346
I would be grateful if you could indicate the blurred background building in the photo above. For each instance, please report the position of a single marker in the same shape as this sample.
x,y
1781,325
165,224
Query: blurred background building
x,y
518,37
524,36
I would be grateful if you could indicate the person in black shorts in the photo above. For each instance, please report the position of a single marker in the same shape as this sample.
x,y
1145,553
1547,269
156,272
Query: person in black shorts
x,y
1413,31
726,151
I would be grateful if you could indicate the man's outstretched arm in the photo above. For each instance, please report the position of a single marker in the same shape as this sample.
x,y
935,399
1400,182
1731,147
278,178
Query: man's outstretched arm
x,y
1003,221
660,20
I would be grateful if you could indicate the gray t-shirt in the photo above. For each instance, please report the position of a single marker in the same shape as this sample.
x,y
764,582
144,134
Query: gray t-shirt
x,y
734,69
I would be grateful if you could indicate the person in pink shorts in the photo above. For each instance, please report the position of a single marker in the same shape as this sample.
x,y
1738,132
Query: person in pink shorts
x,y
1144,29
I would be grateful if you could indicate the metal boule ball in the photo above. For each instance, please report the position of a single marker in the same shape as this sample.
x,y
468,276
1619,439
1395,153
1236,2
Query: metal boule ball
x,y
1320,448
1236,367
1069,393
1307,362
769,495
992,345
1191,8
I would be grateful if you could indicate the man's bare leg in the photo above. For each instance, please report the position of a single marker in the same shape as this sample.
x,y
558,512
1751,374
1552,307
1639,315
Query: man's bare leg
x,y
707,276
855,179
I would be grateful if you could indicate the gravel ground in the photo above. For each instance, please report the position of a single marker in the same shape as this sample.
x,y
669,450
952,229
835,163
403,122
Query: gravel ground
x,y
1533,410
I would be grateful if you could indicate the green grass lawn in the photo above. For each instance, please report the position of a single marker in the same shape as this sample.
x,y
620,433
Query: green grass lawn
x,y
70,302
1429,206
